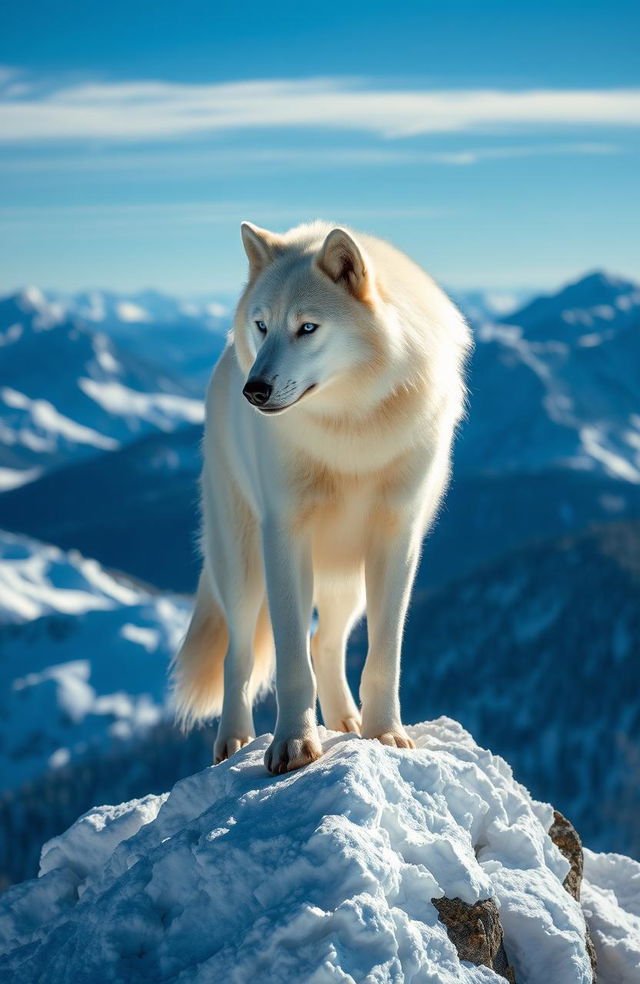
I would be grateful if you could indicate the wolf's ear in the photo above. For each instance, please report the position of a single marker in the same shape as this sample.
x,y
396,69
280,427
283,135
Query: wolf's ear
x,y
340,258
260,245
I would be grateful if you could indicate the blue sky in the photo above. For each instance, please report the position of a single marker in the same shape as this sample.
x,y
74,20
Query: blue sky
x,y
497,143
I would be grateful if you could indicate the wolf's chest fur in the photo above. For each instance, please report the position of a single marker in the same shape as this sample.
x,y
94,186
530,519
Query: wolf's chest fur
x,y
341,513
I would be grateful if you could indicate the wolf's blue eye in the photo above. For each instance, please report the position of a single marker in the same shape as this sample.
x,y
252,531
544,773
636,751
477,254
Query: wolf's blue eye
x,y
262,328
307,328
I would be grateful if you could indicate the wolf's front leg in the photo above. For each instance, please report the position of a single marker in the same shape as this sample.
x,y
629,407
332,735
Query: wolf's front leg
x,y
390,567
289,576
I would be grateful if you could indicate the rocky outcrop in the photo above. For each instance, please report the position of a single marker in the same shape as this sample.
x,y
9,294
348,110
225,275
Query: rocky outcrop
x,y
567,839
476,932
325,872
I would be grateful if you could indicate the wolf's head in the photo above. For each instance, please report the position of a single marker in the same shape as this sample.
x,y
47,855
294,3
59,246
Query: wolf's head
x,y
306,325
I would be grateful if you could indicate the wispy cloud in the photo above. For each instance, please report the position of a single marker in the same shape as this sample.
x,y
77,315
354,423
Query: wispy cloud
x,y
210,160
153,110
168,214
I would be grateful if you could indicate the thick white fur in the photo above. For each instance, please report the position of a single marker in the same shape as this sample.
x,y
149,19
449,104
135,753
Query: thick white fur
x,y
326,501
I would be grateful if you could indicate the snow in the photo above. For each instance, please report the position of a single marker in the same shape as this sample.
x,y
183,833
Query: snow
x,y
47,419
321,875
611,901
70,632
145,637
13,478
104,355
164,410
130,312
216,310
75,696
37,579
12,334
32,297
502,303
590,341
593,440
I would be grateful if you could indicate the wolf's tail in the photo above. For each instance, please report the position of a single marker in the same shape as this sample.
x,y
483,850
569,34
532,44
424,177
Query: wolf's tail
x,y
198,668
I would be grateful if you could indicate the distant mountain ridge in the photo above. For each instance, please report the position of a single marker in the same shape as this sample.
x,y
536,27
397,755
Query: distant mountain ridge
x,y
67,392
84,657
185,335
597,300
154,481
546,394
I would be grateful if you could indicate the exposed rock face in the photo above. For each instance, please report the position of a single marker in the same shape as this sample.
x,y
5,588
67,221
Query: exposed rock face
x,y
476,932
567,839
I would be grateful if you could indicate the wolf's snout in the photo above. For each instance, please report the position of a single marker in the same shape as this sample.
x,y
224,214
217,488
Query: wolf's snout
x,y
257,391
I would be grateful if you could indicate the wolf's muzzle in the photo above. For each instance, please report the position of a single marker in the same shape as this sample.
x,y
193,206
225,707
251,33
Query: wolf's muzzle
x,y
257,391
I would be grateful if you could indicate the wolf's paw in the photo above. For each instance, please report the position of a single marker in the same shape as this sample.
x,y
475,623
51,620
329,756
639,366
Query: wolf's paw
x,y
285,755
350,724
397,738
226,746
346,720
346,723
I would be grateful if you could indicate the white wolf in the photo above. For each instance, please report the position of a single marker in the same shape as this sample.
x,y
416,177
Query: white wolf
x,y
329,425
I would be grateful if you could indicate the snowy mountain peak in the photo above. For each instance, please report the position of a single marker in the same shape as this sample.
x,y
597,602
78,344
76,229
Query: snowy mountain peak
x,y
28,307
328,873
30,298
601,279
596,298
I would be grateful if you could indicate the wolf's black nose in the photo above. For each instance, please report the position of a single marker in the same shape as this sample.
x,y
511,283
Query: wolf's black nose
x,y
257,391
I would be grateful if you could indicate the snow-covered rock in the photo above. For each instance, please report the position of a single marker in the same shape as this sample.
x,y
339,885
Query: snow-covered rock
x,y
611,901
326,874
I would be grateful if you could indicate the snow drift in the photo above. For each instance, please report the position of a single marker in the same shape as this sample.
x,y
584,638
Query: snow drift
x,y
322,875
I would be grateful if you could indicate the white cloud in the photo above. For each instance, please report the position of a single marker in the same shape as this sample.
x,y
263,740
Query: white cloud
x,y
83,218
209,160
148,110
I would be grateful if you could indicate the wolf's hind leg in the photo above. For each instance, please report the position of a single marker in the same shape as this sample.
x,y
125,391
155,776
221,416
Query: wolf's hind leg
x,y
339,606
390,569
235,728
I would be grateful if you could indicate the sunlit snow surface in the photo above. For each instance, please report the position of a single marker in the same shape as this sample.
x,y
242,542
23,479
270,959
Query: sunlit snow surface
x,y
611,901
323,875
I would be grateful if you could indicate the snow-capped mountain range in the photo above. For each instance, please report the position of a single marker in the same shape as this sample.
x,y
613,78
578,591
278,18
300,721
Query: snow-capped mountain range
x,y
100,426
84,657
557,384
67,392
